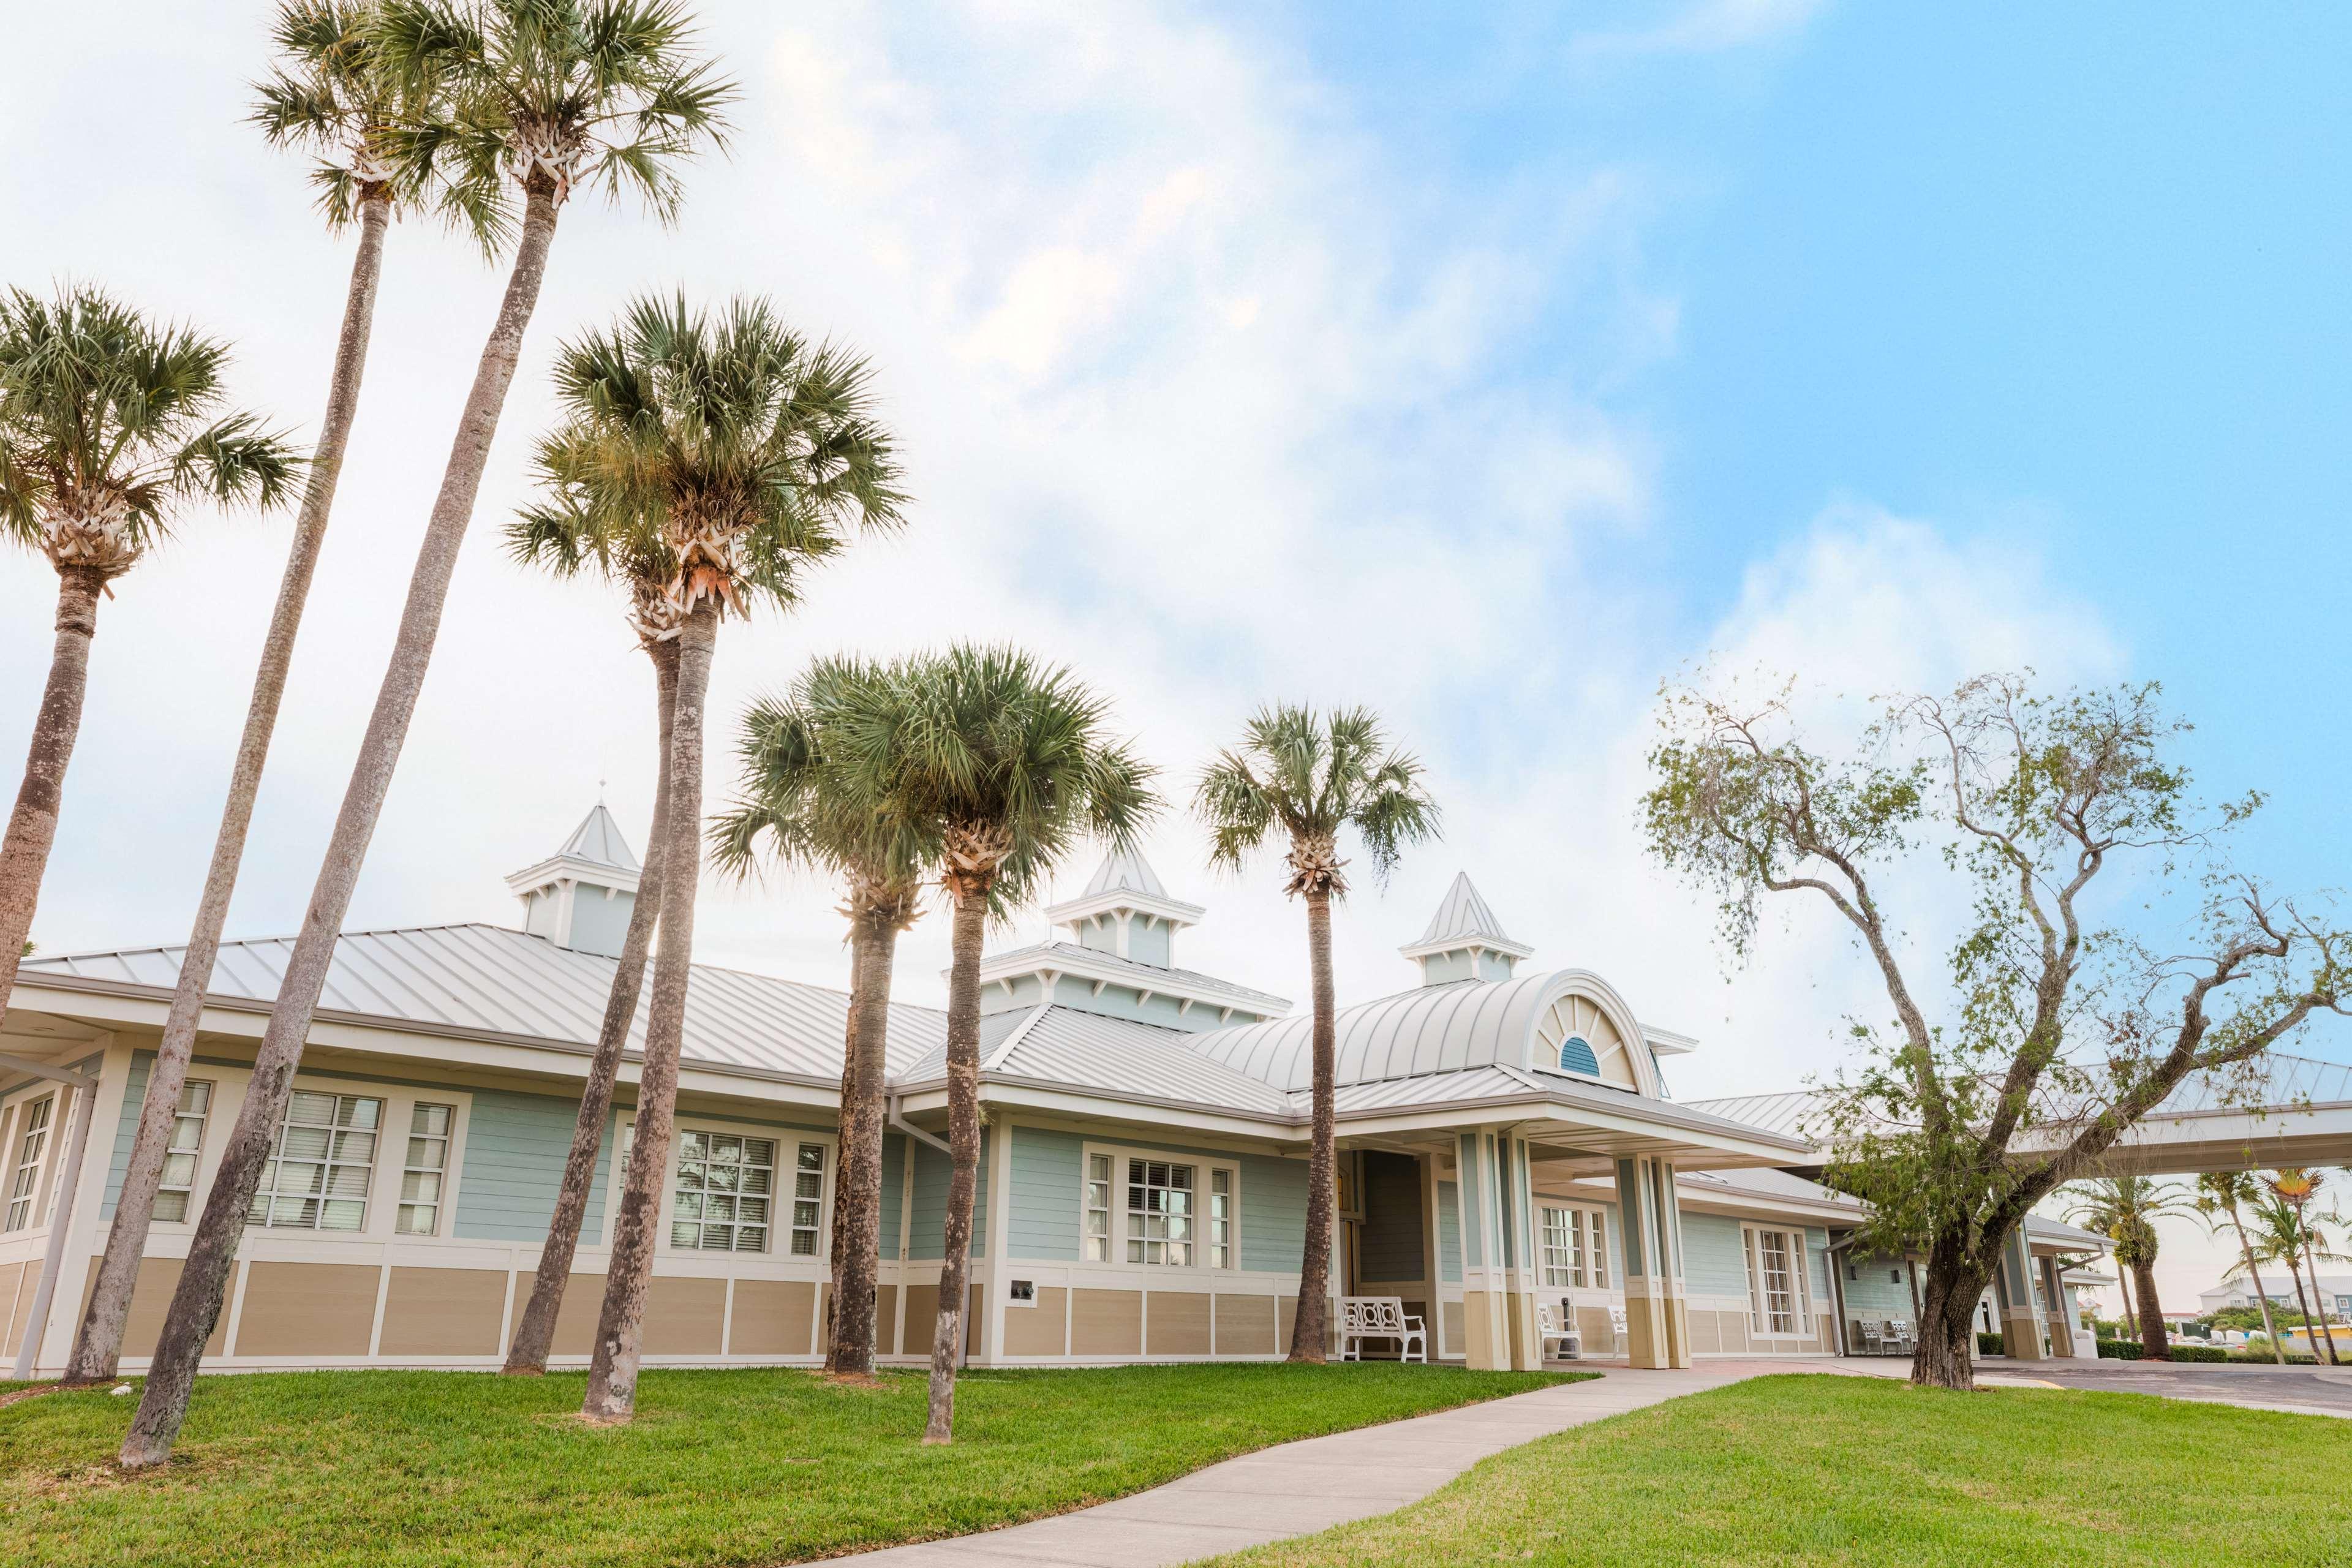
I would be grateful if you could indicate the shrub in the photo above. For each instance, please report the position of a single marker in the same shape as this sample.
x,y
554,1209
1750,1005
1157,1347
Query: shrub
x,y
2199,1352
2120,1350
1991,1344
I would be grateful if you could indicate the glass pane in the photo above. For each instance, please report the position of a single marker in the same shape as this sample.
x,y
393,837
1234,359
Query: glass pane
x,y
317,1109
430,1120
358,1113
812,1157
1135,1252
685,1233
752,1238
1099,1168
804,1244
416,1219
342,1214
169,1205
752,1211
355,1146
804,1217
721,1237
424,1153
806,1185
728,1150
756,1179
693,1145
349,1181
718,1206
720,1178
179,1170
421,1187
306,1142
197,1098
187,1133
693,1174
689,1205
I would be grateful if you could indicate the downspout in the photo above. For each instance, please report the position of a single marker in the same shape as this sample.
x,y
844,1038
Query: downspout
x,y
82,1106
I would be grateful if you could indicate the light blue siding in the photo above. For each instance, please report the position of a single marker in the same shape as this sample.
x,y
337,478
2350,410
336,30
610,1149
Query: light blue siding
x,y
929,1224
1816,1260
1474,1211
893,1180
1048,1185
1713,1263
512,1165
1876,1288
126,1130
1273,1213
1449,1232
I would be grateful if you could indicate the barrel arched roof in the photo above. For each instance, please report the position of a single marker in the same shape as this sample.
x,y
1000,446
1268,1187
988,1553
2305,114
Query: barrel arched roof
x,y
1467,1025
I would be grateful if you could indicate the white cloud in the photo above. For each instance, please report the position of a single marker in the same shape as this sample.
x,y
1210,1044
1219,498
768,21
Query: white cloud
x,y
1709,26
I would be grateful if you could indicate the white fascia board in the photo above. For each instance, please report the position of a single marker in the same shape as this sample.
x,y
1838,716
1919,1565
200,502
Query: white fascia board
x,y
1175,911
1503,945
1075,962
1666,1043
570,868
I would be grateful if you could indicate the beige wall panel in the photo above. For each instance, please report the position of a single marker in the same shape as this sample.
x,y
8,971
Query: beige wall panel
x,y
575,1316
308,1309
28,1285
685,1317
1036,1330
151,1298
443,1311
1456,1326
772,1317
824,1319
1244,1325
1177,1323
1107,1322
922,1319
1705,1330
10,1275
885,1320
1286,1318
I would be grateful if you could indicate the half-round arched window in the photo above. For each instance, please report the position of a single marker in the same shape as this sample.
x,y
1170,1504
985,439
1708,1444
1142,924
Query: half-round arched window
x,y
1580,1037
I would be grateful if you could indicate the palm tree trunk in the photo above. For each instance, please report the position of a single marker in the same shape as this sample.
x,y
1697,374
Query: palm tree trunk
x,y
33,825
963,1143
2254,1275
535,1333
858,1202
2155,1343
620,1330
98,1343
1308,1342
2320,1333
846,1121
212,1255
2295,1273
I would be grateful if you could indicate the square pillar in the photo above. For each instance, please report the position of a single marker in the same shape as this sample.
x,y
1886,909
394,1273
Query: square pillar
x,y
2020,1318
1485,1341
1520,1280
1657,1324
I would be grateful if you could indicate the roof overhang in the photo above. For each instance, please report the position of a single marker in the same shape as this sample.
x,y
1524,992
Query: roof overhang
x,y
1174,911
1069,960
571,868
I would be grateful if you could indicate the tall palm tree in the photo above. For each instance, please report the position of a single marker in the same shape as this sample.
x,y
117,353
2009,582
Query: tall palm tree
x,y
2224,1194
813,812
2279,1236
1311,776
2297,1187
1010,761
328,95
112,427
556,93
2125,1209
750,452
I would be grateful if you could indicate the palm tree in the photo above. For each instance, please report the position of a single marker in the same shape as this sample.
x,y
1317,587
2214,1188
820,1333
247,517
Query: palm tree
x,y
556,92
2223,1193
2298,1186
1310,776
329,95
817,814
110,427
2279,1235
566,535
751,452
1009,763
2125,1209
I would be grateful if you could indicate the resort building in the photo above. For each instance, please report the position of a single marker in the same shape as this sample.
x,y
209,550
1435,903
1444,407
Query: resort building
x,y
1509,1150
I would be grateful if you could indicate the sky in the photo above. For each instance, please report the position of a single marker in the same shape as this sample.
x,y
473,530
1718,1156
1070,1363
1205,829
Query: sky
x,y
1486,367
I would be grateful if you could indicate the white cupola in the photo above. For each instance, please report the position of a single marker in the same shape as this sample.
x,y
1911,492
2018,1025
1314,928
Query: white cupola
x,y
1126,911
580,896
1465,941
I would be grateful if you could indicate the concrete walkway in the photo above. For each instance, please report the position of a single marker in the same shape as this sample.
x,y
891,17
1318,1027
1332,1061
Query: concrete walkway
x,y
1299,1488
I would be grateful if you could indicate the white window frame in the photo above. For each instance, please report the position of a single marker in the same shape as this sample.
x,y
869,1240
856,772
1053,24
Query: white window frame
x,y
1204,1167
1800,1285
1587,1229
787,1139
195,1182
27,1168
337,1132
448,1138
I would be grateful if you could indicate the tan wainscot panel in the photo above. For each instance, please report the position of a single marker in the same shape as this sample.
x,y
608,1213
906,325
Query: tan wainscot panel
x,y
443,1311
1286,1318
885,1320
575,1316
685,1317
1593,1322
1458,1324
1177,1323
1107,1322
772,1317
307,1309
1705,1330
1244,1325
923,1320
1037,1331
151,1298
824,1319
18,1282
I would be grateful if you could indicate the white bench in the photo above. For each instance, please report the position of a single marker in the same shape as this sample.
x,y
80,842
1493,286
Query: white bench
x,y
1365,1318
1548,1329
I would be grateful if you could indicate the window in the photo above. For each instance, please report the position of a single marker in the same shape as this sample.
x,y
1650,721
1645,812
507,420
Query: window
x,y
1159,1213
725,1184
316,1178
1220,1219
178,1187
808,1191
1777,1301
1575,1242
31,1145
1097,1249
426,1168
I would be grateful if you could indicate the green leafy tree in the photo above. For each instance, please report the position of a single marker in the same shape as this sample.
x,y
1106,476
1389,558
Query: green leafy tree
x,y
328,95
554,94
2224,1195
112,429
2063,1032
2124,1210
1307,777
1011,762
807,802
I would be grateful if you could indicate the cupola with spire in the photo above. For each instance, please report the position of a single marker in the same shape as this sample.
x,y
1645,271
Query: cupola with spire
x,y
1126,910
1465,941
581,896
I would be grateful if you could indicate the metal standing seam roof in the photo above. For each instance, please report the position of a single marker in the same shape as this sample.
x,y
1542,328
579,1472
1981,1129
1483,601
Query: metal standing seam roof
x,y
1429,1030
1463,915
598,839
489,980
1087,1051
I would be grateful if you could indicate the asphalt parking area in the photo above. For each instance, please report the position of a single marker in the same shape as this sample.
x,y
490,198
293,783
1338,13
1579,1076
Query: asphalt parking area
x,y
2325,1391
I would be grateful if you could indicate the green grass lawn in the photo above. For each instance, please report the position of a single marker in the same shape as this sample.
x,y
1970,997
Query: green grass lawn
x,y
750,1467
1811,1470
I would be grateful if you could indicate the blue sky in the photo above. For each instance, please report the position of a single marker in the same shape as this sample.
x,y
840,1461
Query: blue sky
x,y
1486,366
